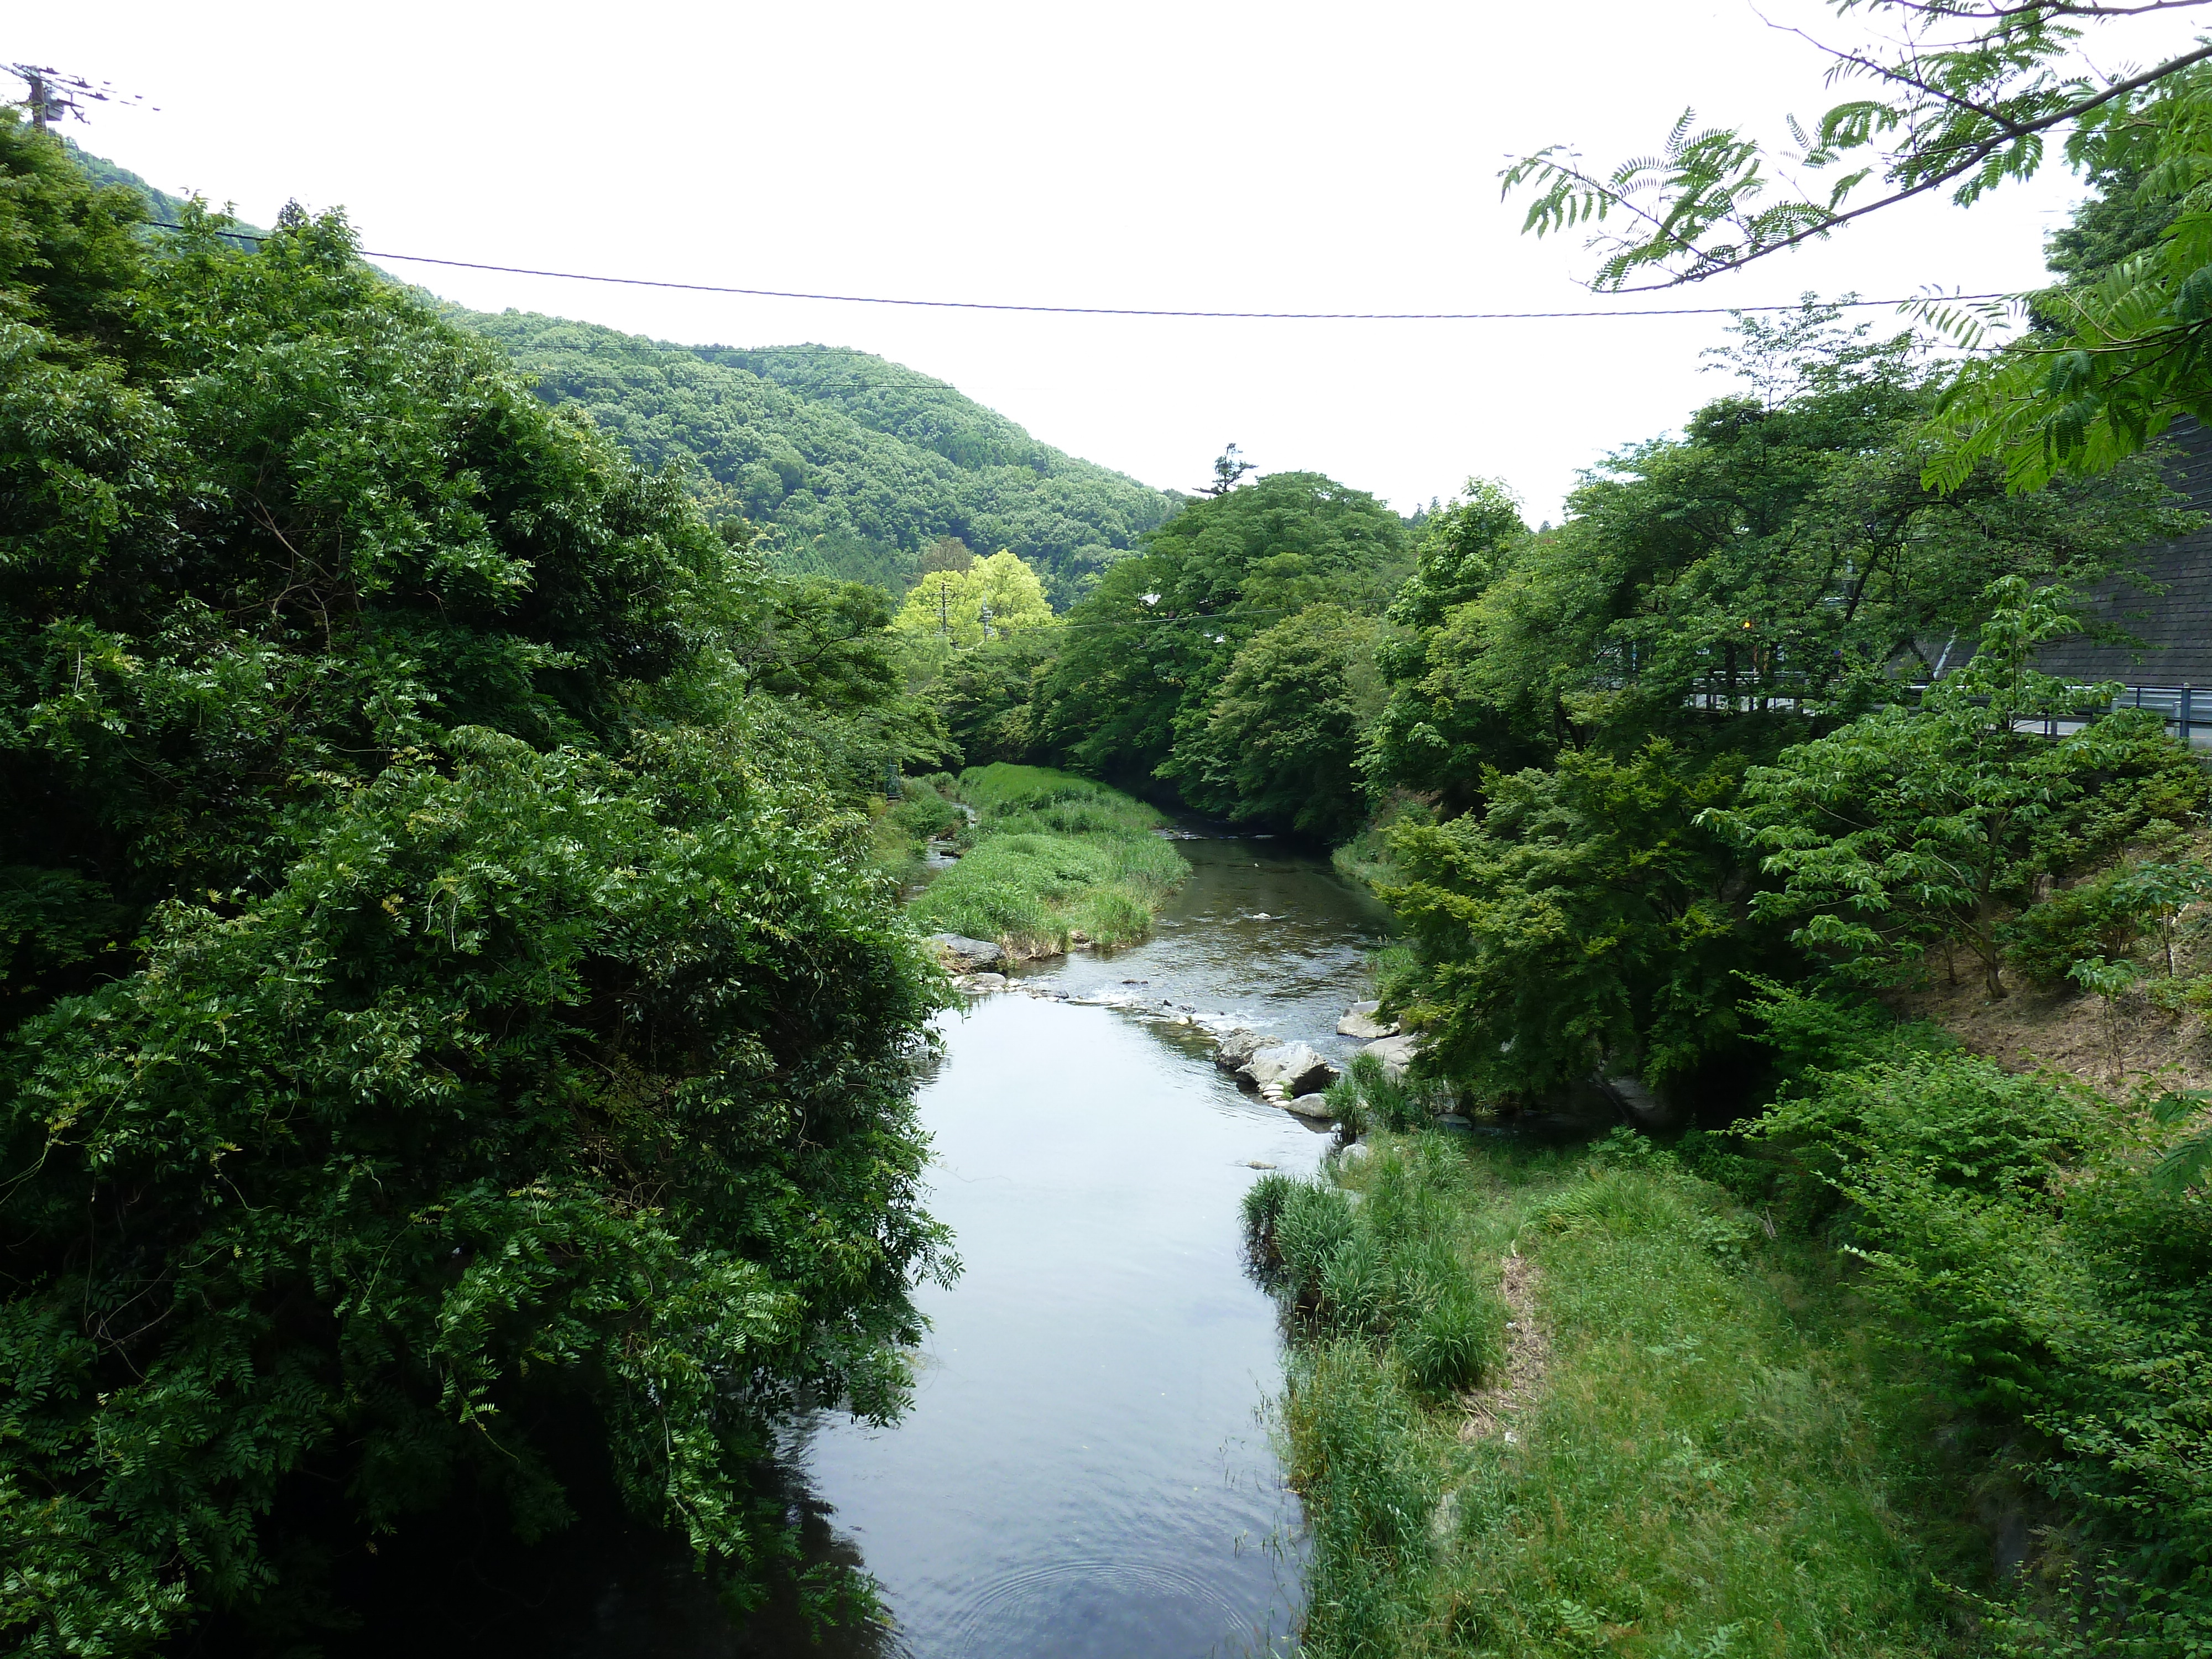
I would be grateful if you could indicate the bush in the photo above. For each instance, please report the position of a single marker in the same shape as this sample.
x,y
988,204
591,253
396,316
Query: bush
x,y
2010,1225
1383,1270
2046,941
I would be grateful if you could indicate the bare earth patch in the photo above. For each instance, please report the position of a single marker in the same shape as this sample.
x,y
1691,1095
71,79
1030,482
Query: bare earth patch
x,y
1487,1410
2069,1031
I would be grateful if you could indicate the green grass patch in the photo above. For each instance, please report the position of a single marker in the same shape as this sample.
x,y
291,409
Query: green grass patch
x,y
1050,857
1714,1460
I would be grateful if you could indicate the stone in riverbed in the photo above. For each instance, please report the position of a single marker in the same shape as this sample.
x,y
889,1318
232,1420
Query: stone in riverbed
x,y
1298,1066
1396,1053
1315,1105
1360,1020
979,982
964,955
1236,1047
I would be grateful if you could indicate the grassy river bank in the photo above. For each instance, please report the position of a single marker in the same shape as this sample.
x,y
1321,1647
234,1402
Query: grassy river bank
x,y
1544,1402
1049,859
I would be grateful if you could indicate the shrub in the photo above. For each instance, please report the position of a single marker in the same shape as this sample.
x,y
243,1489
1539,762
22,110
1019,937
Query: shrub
x,y
2090,919
2012,1227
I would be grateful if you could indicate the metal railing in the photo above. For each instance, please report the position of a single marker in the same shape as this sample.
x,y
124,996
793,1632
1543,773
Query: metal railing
x,y
2186,710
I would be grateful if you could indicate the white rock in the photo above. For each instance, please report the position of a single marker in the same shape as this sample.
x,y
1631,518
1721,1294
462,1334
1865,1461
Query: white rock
x,y
1396,1054
1298,1066
965,956
1360,1021
1313,1105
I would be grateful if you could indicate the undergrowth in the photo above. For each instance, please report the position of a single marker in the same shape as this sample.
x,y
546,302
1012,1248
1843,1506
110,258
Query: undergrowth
x,y
1051,858
1716,1462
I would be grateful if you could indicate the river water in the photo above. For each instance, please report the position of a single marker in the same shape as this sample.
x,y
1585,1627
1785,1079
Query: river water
x,y
1085,1469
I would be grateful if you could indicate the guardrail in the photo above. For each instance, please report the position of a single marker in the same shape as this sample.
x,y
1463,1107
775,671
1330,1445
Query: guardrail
x,y
2186,709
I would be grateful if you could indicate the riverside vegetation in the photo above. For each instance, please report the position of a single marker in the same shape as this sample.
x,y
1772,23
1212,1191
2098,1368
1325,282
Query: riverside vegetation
x,y
458,1047
1893,1349
1049,861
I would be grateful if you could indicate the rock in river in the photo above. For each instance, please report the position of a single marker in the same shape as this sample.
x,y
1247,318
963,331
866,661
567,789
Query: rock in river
x,y
964,955
1236,1047
1314,1106
1297,1065
1396,1053
1360,1021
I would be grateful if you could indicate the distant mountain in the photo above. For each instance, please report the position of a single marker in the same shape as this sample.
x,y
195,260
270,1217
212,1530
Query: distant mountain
x,y
857,463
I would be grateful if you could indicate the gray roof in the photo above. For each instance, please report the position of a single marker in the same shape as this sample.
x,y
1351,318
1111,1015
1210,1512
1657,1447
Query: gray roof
x,y
2174,624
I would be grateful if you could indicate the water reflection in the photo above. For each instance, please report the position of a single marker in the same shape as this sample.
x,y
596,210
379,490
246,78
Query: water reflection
x,y
1084,1470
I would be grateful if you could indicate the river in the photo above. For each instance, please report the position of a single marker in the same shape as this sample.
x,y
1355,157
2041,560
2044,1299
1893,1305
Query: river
x,y
1085,1470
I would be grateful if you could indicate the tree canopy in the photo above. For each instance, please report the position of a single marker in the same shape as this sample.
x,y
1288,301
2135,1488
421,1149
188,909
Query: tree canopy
x,y
445,1005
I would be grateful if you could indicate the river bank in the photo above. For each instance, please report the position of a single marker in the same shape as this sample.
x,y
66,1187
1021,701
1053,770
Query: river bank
x,y
1046,860
1679,1434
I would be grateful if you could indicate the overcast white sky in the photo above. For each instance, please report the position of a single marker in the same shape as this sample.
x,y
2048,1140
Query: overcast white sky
x,y
1283,157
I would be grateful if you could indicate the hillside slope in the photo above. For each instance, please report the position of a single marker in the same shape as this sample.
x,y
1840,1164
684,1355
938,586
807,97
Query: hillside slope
x,y
857,463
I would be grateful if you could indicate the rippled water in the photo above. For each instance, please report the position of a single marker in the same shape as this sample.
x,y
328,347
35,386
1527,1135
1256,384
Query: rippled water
x,y
1084,1470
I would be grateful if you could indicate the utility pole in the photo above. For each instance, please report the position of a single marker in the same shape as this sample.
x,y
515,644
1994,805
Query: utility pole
x,y
944,604
53,95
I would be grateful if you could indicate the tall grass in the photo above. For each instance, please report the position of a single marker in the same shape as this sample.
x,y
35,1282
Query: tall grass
x,y
1715,1462
1051,855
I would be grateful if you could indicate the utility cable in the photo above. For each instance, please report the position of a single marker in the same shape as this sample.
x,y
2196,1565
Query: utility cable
x,y
1119,311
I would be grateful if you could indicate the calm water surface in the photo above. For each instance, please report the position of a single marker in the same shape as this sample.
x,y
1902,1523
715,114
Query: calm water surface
x,y
1084,1470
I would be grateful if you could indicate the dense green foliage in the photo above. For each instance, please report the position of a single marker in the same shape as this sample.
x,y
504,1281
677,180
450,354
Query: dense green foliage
x,y
1905,830
1187,657
450,1024
1051,860
1583,700
2015,1228
1697,1453
857,464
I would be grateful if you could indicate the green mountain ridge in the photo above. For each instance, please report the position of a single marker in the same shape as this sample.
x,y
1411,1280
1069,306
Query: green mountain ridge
x,y
855,464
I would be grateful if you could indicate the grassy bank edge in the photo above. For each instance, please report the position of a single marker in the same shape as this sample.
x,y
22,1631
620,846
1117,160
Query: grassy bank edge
x,y
1717,1456
1051,860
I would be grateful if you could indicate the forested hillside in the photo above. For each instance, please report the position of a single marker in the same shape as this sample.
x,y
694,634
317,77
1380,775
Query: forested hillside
x,y
855,463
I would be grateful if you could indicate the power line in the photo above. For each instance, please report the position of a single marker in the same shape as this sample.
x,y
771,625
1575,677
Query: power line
x,y
1121,311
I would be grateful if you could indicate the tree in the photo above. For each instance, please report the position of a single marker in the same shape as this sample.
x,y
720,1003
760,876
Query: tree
x,y
946,553
1281,741
1583,919
1968,94
990,598
1428,735
1911,829
450,1023
1782,554
1149,649
1228,470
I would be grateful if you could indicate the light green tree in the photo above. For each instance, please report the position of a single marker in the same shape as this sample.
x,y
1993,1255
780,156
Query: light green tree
x,y
992,599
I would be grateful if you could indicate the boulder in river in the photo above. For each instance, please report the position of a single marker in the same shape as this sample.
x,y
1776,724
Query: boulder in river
x,y
1298,1066
1396,1054
1361,1021
1313,1105
979,982
1236,1047
964,955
